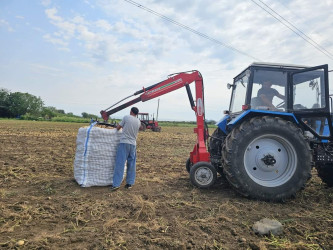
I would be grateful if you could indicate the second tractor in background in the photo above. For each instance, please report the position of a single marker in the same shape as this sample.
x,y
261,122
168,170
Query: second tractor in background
x,y
146,123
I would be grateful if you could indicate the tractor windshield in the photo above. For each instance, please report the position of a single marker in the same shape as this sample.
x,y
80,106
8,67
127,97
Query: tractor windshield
x,y
269,90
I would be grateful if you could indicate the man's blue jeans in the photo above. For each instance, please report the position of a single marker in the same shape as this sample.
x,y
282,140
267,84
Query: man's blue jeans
x,y
125,152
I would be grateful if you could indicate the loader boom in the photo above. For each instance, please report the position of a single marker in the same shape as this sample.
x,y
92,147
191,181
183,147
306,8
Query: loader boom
x,y
175,82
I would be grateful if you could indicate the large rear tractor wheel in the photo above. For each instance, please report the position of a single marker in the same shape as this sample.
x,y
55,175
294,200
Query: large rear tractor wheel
x,y
267,158
203,175
325,173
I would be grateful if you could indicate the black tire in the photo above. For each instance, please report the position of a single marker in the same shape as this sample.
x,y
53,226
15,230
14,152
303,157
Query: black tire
x,y
142,127
215,141
203,175
157,129
188,165
325,173
267,158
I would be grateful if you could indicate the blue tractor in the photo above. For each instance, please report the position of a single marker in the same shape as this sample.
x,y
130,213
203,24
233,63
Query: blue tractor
x,y
278,127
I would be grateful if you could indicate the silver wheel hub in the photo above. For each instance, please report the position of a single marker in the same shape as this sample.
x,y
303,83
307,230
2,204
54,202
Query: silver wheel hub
x,y
270,160
203,175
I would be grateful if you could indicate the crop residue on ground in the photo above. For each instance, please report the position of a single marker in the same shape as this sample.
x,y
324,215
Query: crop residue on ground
x,y
42,207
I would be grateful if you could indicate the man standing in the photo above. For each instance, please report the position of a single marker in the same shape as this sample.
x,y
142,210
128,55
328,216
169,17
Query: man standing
x,y
127,150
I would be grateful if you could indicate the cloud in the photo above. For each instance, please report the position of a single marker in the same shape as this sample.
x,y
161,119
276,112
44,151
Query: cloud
x,y
104,25
84,34
46,2
128,48
51,14
4,23
43,67
55,41
64,49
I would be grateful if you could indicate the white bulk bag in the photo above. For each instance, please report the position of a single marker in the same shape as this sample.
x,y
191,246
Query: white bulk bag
x,y
95,155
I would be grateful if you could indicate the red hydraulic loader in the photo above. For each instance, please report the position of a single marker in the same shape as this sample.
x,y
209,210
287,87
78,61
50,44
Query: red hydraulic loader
x,y
202,173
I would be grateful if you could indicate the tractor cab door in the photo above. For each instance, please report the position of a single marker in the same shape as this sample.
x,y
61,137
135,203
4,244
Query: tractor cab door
x,y
309,100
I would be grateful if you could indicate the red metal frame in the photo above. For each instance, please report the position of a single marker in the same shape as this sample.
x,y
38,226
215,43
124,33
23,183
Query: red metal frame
x,y
175,82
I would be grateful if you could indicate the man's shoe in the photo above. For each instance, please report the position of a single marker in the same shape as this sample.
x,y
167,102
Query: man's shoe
x,y
113,188
128,186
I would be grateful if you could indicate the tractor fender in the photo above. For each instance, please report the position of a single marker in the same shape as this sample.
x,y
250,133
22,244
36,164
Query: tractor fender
x,y
222,124
252,113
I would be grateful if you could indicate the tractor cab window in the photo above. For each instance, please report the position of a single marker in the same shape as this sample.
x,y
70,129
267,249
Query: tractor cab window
x,y
309,90
239,93
143,116
269,90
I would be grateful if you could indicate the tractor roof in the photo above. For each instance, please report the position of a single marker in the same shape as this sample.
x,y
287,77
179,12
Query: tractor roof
x,y
273,66
278,65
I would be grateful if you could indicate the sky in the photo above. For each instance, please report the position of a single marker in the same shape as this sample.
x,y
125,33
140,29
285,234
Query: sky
x,y
84,56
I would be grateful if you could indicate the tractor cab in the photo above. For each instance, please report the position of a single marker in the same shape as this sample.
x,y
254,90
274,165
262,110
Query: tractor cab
x,y
144,117
297,93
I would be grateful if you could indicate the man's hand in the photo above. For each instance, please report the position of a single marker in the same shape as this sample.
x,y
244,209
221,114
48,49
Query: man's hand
x,y
119,127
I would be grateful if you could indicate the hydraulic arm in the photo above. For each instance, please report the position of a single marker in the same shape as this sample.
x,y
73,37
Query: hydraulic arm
x,y
175,82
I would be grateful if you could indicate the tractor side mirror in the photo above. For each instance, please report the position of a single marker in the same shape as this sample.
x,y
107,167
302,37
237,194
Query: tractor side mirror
x,y
229,86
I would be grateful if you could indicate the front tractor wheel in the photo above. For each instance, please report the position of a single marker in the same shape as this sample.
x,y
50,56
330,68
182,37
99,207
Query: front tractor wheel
x,y
267,158
203,175
156,129
188,165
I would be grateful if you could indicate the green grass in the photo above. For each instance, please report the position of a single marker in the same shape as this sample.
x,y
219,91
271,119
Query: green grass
x,y
70,119
87,120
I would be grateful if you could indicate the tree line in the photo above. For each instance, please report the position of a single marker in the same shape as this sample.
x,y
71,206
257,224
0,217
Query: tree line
x,y
29,107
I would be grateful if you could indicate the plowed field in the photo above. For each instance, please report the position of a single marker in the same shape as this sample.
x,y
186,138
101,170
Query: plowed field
x,y
42,207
